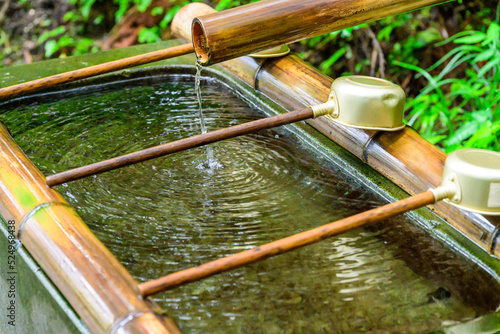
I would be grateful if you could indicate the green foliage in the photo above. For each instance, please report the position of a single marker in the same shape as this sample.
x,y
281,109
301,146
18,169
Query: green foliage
x,y
343,49
83,16
149,35
55,41
460,112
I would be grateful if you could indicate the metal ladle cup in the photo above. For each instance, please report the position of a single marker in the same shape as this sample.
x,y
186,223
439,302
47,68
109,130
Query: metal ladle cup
x,y
472,176
367,103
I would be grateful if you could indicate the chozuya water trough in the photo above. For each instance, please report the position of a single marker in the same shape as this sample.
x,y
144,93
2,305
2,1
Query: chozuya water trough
x,y
104,294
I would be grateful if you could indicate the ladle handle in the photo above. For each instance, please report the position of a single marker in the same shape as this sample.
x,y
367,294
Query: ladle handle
x,y
285,245
179,145
112,66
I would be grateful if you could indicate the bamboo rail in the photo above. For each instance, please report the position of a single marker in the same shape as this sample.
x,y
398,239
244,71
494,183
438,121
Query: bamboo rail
x,y
112,66
178,145
97,286
403,157
285,245
265,24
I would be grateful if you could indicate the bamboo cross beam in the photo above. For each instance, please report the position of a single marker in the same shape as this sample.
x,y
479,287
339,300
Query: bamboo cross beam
x,y
183,144
91,71
285,245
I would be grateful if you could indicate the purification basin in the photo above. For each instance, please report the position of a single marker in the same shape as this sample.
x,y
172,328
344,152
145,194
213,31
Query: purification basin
x,y
414,273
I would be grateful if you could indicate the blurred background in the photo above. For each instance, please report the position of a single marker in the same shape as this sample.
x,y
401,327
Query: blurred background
x,y
446,57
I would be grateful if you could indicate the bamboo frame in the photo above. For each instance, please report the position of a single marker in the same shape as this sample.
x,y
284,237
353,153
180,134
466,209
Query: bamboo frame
x,y
96,285
265,24
403,157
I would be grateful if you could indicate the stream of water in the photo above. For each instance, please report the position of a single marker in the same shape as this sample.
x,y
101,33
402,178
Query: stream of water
x,y
211,163
168,214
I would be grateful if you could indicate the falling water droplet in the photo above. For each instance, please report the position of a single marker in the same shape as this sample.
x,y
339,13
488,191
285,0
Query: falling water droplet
x,y
211,164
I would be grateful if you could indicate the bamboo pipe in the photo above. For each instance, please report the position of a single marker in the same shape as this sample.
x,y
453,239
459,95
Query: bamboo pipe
x,y
287,244
96,285
91,71
265,24
180,145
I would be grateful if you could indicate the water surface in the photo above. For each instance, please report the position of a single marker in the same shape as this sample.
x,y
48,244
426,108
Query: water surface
x,y
175,212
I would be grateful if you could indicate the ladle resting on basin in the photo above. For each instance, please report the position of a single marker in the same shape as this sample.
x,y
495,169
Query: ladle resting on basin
x,y
486,172
471,180
373,97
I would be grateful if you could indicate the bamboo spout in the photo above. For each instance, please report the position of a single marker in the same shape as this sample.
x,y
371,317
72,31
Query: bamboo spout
x,y
265,24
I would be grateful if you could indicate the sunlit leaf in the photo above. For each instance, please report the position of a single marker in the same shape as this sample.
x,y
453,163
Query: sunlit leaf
x,y
472,39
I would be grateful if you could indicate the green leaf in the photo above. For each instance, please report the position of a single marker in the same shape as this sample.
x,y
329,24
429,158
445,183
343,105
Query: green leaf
x,y
83,46
53,33
65,41
98,20
85,9
454,37
484,137
488,67
143,5
69,16
157,11
472,39
385,34
57,31
464,132
485,55
51,47
149,35
223,4
436,139
493,32
123,6
325,66
169,16
43,37
428,36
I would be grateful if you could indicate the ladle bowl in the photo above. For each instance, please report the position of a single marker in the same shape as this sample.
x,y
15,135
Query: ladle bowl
x,y
368,103
476,176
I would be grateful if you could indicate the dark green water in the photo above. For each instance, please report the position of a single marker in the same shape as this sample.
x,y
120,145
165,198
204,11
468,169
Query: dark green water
x,y
174,212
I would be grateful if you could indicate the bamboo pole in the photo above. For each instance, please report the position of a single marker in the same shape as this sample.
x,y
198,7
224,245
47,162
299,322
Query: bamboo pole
x,y
265,24
179,145
285,245
91,71
100,290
